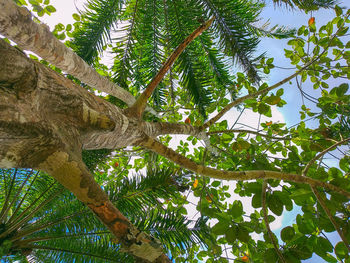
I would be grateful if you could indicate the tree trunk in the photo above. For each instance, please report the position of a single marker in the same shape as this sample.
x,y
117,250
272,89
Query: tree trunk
x,y
16,23
46,120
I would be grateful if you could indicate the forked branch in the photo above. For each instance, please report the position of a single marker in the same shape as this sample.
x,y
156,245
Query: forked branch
x,y
252,95
318,156
330,216
139,106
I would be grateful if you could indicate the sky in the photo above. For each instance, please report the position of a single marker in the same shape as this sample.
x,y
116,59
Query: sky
x,y
273,48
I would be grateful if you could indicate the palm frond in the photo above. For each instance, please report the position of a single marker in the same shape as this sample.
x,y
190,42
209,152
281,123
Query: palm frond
x,y
124,44
232,29
307,5
173,230
97,248
48,228
98,18
276,31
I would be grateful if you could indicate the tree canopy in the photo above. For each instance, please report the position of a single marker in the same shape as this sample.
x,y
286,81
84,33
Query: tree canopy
x,y
172,74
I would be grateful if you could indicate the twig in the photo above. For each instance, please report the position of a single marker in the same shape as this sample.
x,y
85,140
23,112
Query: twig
x,y
318,156
330,216
266,220
248,131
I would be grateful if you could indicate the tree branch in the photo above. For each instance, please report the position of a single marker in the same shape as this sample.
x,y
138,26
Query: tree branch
x,y
249,131
266,220
138,107
186,163
253,95
318,156
330,216
72,173
319,197
16,24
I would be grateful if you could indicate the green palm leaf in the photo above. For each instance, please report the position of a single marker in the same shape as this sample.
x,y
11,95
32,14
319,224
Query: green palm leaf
x,y
307,5
99,19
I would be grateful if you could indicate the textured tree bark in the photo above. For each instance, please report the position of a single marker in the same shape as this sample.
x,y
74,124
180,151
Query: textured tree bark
x,y
45,121
16,24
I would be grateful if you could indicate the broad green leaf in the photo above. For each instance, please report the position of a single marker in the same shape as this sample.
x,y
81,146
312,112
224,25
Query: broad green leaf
x,y
275,204
237,209
287,233
220,228
341,251
231,234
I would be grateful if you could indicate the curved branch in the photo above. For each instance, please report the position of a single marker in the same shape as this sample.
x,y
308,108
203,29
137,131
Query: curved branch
x,y
318,156
139,106
186,163
266,220
253,95
330,216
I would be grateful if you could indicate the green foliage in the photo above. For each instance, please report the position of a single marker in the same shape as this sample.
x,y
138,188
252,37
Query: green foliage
x,y
157,200
148,31
307,5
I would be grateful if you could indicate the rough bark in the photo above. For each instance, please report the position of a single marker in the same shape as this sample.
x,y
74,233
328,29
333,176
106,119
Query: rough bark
x,y
45,121
16,24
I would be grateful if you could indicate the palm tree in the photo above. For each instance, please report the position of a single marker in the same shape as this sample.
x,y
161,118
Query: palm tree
x,y
42,222
144,32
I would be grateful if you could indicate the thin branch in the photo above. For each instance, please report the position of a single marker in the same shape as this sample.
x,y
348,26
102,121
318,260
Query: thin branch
x,y
139,106
249,131
266,220
186,163
253,95
319,197
318,156
330,216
